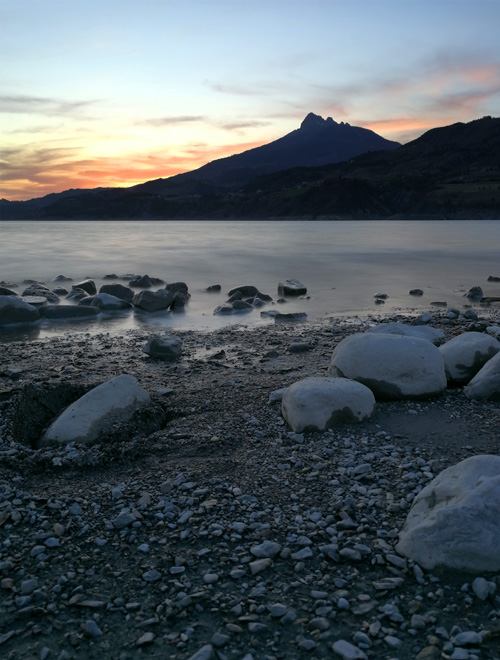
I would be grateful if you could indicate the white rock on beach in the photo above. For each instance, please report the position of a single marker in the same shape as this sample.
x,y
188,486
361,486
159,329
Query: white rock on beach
x,y
114,401
485,386
426,332
465,354
319,403
392,366
454,521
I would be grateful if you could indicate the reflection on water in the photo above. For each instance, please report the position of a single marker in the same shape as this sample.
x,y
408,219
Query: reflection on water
x,y
343,264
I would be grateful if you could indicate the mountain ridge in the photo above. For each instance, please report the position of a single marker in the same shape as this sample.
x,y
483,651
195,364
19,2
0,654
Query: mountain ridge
x,y
448,172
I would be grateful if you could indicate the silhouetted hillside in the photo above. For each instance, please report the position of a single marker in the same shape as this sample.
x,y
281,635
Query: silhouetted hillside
x,y
450,172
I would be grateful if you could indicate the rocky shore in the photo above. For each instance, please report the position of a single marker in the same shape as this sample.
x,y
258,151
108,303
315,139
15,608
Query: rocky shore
x,y
205,529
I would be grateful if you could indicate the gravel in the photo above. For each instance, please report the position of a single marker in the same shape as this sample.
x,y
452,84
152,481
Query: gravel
x,y
219,534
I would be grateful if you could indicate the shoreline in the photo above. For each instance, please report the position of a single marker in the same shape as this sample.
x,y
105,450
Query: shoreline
x,y
219,477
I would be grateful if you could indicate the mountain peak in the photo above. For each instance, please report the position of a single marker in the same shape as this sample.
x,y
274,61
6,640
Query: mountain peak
x,y
313,121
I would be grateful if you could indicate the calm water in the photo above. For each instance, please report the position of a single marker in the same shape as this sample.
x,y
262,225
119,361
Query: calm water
x,y
343,264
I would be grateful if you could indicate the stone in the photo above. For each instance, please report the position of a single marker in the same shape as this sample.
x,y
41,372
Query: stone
x,y
291,287
319,403
453,522
41,290
106,302
164,348
416,292
87,285
426,332
292,317
475,293
246,290
84,420
62,278
348,651
392,366
465,354
300,346
204,653
153,301
213,288
4,291
485,386
15,310
141,282
69,312
119,291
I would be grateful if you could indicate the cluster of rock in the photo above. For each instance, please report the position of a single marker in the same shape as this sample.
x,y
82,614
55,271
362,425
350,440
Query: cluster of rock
x,y
247,297
38,301
393,361
454,521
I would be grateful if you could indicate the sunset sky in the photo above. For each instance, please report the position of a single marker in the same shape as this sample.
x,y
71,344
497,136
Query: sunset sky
x,y
117,92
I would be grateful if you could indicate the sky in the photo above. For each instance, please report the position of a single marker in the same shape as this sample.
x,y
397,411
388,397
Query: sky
x,y
117,92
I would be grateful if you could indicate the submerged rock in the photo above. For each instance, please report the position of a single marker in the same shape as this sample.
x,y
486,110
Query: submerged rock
x,y
156,301
15,310
69,312
87,285
84,420
291,287
119,291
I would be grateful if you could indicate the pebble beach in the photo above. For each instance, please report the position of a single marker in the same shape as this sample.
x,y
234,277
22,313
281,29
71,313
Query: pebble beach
x,y
207,530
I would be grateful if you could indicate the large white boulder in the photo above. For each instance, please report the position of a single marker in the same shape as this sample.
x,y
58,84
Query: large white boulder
x,y
454,521
392,366
465,354
433,335
485,385
114,401
15,310
318,403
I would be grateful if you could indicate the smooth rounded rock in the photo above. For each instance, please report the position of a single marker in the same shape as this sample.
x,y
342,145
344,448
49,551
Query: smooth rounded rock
x,y
465,354
291,287
15,310
485,386
392,366
84,420
318,403
164,348
454,522
426,332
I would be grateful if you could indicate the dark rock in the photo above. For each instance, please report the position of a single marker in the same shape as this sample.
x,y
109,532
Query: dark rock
x,y
180,300
180,287
88,286
62,278
141,282
111,276
300,347
106,302
291,287
213,288
164,348
15,310
151,301
60,291
416,292
475,293
119,291
492,278
246,290
38,289
439,303
241,306
77,294
7,292
381,296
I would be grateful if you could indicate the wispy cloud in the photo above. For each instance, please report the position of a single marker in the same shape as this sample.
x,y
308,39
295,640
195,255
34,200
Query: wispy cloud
x,y
169,121
50,107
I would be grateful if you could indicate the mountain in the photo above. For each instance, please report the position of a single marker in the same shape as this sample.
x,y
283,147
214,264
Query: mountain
x,y
317,142
448,172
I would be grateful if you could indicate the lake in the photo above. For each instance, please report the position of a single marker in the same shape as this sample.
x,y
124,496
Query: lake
x,y
343,264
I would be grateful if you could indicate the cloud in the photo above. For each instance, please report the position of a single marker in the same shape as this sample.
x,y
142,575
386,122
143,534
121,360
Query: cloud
x,y
50,107
169,121
37,169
